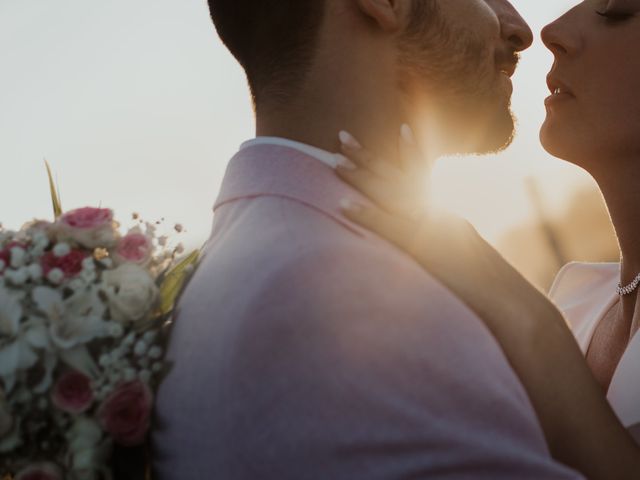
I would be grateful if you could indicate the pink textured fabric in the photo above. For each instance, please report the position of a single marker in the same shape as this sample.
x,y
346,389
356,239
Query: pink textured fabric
x,y
307,348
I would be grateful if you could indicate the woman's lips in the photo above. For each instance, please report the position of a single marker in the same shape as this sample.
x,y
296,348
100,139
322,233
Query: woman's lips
x,y
560,92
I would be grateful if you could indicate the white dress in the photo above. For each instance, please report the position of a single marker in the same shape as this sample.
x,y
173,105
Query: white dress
x,y
585,292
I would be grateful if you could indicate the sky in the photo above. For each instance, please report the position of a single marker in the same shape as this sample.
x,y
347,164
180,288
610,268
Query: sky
x,y
138,107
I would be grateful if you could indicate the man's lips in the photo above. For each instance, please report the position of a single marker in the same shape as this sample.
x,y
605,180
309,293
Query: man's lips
x,y
508,69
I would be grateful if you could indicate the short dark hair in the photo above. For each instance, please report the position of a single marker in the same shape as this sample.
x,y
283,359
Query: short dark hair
x,y
274,41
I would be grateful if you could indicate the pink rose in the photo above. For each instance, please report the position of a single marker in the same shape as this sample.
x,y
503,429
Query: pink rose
x,y
133,248
72,393
90,227
40,471
70,264
5,256
125,414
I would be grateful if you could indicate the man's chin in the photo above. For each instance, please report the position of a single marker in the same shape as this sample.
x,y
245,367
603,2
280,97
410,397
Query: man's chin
x,y
482,136
500,139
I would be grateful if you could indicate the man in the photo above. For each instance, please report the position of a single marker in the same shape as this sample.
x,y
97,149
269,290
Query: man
x,y
305,347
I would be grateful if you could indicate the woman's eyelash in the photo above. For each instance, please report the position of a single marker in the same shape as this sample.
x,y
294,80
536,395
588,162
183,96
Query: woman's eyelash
x,y
615,16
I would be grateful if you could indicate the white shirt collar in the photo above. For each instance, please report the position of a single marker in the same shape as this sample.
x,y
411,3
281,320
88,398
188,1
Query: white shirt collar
x,y
328,158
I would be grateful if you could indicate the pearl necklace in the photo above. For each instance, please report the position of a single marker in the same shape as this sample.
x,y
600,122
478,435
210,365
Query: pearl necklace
x,y
628,289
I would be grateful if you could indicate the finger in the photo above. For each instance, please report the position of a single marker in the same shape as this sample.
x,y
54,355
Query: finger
x,y
388,226
354,150
413,158
366,182
363,158
386,170
409,152
416,165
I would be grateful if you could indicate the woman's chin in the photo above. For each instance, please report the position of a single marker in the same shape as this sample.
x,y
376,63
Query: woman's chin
x,y
558,141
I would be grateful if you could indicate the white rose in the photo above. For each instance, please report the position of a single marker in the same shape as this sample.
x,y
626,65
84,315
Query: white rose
x,y
131,291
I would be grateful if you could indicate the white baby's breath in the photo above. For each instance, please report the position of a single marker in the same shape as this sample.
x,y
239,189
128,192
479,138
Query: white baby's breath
x,y
104,360
155,352
88,276
115,330
18,257
17,277
35,272
10,313
55,276
40,239
77,284
129,374
89,264
61,249
140,348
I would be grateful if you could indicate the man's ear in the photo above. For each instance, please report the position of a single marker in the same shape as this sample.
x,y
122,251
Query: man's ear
x,y
386,13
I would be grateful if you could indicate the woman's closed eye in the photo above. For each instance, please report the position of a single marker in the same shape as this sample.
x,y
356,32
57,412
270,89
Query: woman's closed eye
x,y
620,10
616,16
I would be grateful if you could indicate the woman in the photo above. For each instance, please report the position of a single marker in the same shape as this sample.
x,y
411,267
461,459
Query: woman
x,y
593,120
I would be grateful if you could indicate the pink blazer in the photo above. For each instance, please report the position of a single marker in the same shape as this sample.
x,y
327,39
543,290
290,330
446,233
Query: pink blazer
x,y
308,349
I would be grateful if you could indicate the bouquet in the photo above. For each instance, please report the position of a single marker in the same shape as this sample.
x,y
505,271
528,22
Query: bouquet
x,y
84,313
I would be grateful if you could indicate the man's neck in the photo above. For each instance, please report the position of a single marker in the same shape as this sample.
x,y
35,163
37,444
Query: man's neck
x,y
318,124
341,92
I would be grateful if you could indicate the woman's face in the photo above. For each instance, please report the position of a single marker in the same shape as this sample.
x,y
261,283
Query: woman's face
x,y
594,111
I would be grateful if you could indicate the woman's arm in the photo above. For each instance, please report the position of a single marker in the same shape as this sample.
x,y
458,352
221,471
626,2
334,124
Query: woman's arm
x,y
581,428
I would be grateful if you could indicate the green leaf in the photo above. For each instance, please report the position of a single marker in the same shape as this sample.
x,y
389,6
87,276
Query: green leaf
x,y
55,197
174,281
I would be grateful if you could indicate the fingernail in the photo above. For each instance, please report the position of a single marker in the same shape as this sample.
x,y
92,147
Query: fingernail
x,y
344,162
349,140
407,134
350,205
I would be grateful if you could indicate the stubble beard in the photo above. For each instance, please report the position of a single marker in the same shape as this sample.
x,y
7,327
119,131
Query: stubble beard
x,y
456,73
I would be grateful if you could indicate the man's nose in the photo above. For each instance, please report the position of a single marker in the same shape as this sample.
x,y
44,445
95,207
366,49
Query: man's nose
x,y
515,30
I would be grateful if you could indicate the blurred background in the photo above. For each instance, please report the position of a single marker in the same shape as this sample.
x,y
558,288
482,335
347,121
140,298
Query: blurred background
x,y
138,107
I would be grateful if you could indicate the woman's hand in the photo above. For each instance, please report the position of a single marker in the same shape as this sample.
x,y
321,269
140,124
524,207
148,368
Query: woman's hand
x,y
399,187
445,245
581,428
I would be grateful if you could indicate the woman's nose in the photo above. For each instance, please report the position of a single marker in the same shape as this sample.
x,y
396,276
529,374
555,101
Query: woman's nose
x,y
559,37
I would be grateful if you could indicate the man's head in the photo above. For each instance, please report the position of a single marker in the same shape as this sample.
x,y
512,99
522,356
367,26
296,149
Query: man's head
x,y
273,40
449,60
456,58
